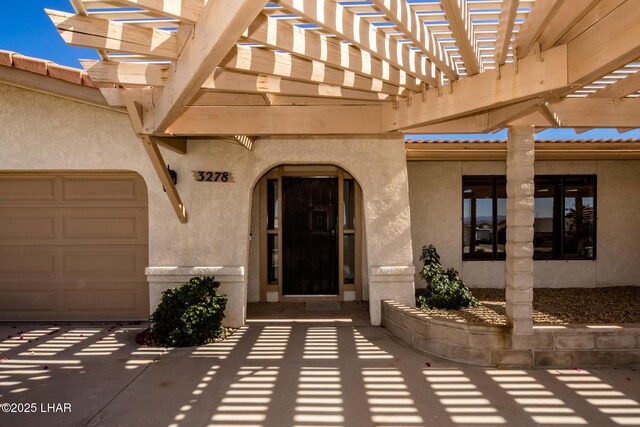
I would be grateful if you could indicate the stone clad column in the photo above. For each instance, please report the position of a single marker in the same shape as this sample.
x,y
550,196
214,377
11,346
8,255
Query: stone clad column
x,y
519,248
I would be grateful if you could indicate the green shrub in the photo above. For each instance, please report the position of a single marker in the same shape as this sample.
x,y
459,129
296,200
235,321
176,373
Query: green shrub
x,y
190,314
445,289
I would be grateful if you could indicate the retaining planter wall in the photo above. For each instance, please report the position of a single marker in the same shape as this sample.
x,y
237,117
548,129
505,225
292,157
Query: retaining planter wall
x,y
486,345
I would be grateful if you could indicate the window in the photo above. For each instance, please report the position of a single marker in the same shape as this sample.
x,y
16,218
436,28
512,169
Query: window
x,y
484,206
564,225
565,217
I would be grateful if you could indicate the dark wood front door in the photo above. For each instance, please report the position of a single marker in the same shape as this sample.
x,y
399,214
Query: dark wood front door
x,y
309,240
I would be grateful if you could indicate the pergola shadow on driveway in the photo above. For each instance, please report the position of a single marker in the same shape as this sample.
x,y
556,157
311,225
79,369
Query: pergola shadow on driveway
x,y
315,373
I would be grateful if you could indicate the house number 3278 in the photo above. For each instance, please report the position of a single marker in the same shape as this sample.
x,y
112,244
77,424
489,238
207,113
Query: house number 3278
x,y
211,176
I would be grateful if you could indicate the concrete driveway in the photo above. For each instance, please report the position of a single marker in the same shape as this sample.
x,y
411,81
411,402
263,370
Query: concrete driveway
x,y
279,373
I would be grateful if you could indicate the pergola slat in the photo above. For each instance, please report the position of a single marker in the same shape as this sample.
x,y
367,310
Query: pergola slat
x,y
413,28
265,61
340,21
462,30
279,35
241,58
621,88
508,13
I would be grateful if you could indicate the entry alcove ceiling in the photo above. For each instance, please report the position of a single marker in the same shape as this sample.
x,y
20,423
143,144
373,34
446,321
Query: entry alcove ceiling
x,y
250,67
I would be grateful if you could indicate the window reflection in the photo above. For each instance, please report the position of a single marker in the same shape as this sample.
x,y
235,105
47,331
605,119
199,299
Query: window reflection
x,y
349,197
478,216
272,258
579,218
564,211
349,258
543,226
272,204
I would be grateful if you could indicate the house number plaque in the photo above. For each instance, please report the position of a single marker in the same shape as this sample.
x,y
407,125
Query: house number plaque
x,y
212,176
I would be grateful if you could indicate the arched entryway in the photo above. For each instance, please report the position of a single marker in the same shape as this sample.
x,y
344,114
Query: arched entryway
x,y
306,236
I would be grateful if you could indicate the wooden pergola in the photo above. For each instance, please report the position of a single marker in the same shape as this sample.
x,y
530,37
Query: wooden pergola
x,y
244,68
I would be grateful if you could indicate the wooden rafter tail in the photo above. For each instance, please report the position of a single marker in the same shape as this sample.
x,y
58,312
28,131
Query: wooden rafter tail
x,y
126,73
78,6
362,34
414,29
458,23
279,35
220,26
99,33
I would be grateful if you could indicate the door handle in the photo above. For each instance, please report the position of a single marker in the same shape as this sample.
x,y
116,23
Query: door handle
x,y
333,233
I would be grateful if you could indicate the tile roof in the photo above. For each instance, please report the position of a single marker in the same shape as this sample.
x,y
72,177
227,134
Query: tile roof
x,y
538,141
47,68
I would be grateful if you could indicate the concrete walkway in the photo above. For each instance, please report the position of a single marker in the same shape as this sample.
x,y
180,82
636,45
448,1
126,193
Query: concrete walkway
x,y
280,373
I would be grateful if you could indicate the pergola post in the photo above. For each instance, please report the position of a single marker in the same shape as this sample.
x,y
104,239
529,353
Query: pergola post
x,y
519,248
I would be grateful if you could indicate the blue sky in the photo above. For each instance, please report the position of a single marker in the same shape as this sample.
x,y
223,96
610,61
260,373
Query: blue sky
x,y
27,30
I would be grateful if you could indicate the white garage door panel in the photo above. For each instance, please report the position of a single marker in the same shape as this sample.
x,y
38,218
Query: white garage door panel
x,y
73,246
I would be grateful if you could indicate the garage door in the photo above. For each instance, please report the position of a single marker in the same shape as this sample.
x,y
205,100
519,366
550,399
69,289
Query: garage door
x,y
73,246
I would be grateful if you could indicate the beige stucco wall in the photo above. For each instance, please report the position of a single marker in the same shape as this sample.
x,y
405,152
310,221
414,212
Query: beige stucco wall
x,y
435,190
41,132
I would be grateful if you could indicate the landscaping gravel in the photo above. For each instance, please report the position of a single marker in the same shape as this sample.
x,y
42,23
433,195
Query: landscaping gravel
x,y
556,306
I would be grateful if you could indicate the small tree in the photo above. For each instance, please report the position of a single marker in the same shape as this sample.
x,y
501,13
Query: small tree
x,y
190,314
445,289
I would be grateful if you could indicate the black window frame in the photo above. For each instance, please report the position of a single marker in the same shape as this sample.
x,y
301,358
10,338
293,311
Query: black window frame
x,y
558,253
494,255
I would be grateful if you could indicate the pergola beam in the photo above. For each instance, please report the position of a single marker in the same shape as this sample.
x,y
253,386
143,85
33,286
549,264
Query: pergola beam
x,y
462,30
111,36
414,29
220,26
278,120
483,122
483,92
566,17
337,19
609,44
598,113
